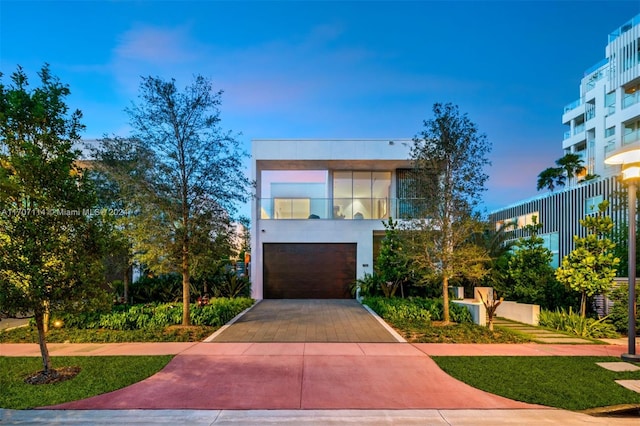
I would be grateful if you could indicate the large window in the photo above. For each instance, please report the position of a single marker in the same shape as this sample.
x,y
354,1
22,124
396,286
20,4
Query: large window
x,y
361,194
294,194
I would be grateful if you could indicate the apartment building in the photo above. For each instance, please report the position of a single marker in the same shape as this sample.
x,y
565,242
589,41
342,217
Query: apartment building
x,y
604,119
319,211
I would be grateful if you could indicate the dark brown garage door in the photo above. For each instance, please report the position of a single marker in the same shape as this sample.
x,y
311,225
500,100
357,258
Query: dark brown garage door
x,y
308,271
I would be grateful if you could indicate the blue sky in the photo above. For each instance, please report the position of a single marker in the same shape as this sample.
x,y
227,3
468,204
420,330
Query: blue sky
x,y
331,69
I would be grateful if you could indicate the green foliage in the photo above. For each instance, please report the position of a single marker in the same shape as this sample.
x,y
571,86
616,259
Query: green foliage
x,y
135,317
529,269
51,248
591,267
578,325
165,288
369,285
185,181
391,265
98,375
174,333
619,315
568,166
227,283
449,156
416,308
567,382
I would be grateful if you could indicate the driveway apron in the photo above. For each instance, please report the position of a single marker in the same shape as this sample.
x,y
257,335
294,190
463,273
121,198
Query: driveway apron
x,y
307,320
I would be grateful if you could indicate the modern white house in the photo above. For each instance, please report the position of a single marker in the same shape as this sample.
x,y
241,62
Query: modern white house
x,y
319,210
605,118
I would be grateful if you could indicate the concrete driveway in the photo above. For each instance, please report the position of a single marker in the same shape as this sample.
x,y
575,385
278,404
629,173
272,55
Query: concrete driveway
x,y
308,320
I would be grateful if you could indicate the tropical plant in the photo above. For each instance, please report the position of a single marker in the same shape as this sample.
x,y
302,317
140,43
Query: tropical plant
x,y
567,167
577,324
491,306
366,286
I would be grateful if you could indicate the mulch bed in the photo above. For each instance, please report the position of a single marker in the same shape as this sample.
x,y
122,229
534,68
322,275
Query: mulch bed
x,y
52,376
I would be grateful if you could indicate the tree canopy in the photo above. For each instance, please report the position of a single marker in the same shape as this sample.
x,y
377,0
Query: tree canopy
x,y
449,156
591,267
567,167
51,243
189,179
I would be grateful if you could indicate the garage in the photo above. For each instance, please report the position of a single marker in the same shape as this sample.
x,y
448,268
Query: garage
x,y
308,270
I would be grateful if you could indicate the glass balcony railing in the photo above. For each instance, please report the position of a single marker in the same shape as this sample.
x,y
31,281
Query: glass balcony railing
x,y
578,129
631,137
573,105
339,208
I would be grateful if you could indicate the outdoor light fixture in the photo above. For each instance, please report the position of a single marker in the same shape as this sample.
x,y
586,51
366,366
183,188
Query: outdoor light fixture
x,y
629,159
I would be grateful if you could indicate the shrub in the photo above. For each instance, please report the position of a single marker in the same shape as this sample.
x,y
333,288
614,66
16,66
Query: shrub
x,y
574,323
158,289
368,285
227,283
416,308
619,315
138,317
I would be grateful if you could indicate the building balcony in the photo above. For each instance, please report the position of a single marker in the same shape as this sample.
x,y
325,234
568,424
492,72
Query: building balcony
x,y
338,208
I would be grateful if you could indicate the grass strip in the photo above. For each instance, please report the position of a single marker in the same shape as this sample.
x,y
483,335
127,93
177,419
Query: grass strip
x,y
567,382
99,374
75,335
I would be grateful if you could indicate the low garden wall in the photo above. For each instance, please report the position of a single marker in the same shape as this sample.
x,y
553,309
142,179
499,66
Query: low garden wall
x,y
521,312
477,309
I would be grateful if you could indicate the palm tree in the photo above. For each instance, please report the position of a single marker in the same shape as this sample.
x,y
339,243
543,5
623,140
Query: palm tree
x,y
551,178
571,164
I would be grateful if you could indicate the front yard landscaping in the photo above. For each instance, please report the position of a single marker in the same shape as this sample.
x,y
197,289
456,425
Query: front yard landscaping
x,y
419,320
98,374
568,382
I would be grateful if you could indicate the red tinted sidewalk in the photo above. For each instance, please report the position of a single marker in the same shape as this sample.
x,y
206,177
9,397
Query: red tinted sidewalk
x,y
303,375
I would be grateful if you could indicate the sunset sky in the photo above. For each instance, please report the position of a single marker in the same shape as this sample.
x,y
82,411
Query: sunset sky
x,y
331,69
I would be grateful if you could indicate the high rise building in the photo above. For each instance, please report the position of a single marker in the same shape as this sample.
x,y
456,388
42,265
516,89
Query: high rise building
x,y
605,118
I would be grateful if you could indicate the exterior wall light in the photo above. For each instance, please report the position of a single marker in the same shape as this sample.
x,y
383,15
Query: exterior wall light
x,y
629,159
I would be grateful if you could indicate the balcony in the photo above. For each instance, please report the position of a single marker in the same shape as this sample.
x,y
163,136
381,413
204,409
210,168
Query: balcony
x,y
631,137
338,208
573,105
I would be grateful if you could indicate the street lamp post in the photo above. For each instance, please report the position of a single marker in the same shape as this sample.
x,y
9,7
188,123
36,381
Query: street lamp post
x,y
629,159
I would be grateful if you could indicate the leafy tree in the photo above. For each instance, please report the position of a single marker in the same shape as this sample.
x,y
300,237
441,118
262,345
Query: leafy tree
x,y
50,248
568,167
448,159
530,270
391,265
591,266
115,167
193,177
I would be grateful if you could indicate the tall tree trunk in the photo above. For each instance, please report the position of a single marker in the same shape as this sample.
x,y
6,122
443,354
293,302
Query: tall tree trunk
x,y
583,304
125,283
44,351
186,299
445,299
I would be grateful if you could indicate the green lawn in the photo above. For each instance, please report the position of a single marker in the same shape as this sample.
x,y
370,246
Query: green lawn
x,y
99,374
76,335
568,382
416,331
